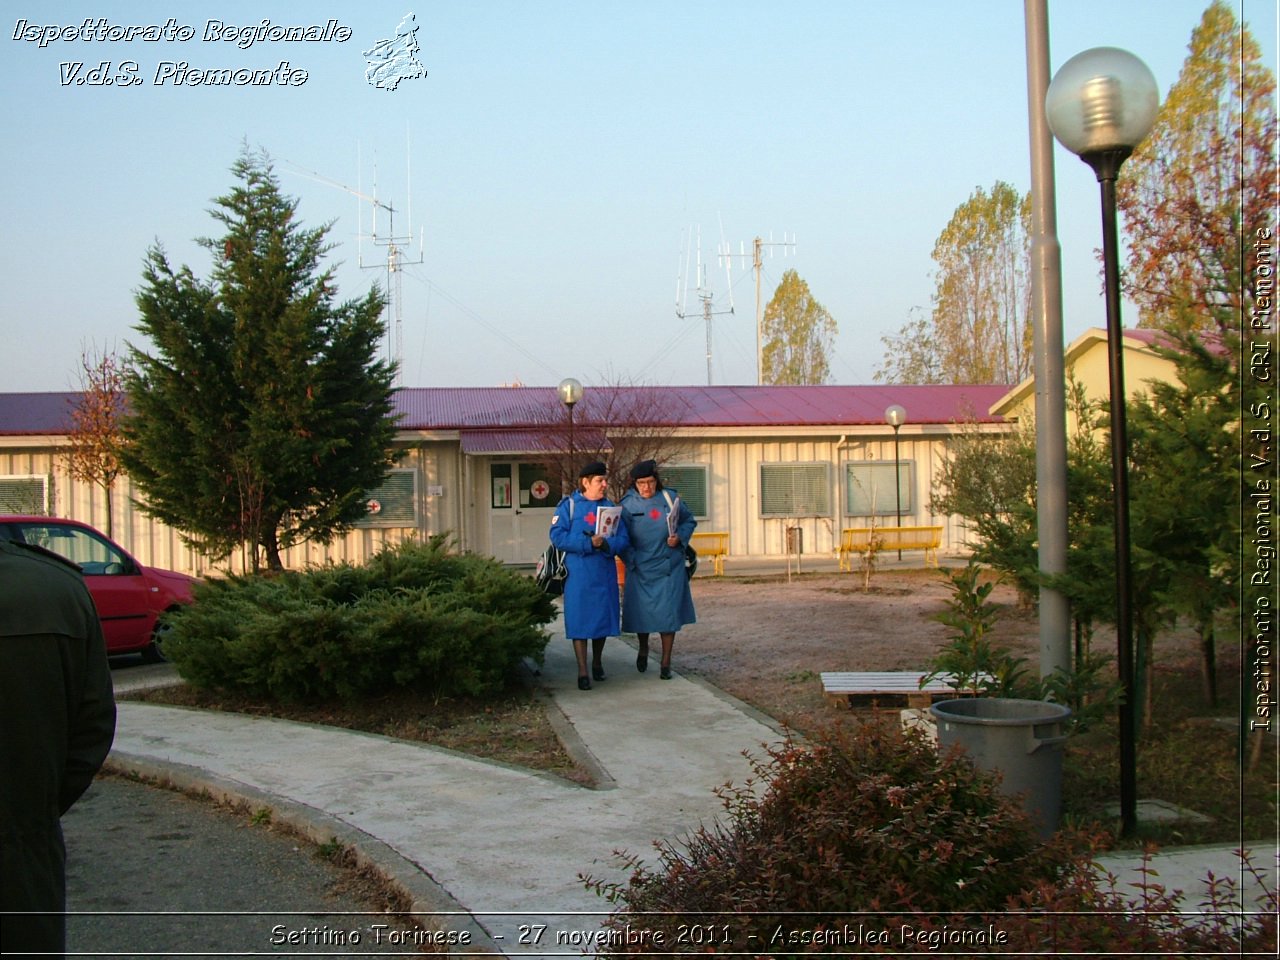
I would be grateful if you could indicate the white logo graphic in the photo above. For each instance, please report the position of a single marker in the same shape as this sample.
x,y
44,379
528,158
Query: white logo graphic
x,y
391,61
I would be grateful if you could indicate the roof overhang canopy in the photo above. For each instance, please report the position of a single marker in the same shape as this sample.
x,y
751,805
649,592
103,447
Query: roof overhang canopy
x,y
527,442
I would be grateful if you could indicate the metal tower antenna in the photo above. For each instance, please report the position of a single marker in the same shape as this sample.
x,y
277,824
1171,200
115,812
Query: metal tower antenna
x,y
756,254
704,294
395,259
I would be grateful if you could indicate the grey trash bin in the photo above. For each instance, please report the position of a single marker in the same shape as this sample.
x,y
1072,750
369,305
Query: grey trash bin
x,y
1022,739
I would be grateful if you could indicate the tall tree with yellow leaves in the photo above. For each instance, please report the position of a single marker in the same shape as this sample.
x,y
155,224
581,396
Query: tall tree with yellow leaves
x,y
980,327
798,332
1198,188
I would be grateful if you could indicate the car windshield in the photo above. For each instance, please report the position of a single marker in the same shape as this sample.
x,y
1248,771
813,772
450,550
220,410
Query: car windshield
x,y
92,553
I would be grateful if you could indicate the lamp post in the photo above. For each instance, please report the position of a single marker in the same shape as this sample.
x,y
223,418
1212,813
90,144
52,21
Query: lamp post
x,y
570,392
1101,104
896,416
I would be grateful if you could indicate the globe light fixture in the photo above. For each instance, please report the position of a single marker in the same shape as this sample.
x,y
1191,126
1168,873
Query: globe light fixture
x,y
570,391
1102,100
1101,104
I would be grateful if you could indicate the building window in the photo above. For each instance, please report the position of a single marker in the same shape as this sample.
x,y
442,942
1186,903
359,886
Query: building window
x,y
868,488
795,490
394,503
690,482
24,494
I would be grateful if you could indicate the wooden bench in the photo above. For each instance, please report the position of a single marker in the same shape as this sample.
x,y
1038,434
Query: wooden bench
x,y
861,540
713,545
838,687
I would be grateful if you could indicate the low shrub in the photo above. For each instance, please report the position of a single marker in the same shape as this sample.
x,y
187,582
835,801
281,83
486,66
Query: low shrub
x,y
1088,915
870,840
862,819
414,615
970,657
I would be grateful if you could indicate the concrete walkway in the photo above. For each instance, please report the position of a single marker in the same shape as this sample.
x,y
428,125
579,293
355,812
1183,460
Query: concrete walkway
x,y
495,850
495,842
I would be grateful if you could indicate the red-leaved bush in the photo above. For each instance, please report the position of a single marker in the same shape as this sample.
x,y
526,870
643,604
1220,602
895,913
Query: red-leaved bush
x,y
869,841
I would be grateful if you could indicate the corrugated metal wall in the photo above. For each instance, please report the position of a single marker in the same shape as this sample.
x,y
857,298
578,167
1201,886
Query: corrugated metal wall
x,y
734,489
155,544
452,498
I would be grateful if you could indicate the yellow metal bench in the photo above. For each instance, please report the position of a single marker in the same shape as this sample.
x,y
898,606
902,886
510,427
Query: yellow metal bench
x,y
838,687
861,540
713,545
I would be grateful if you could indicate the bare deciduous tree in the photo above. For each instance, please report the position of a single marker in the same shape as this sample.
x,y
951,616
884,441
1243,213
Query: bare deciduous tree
x,y
618,423
95,424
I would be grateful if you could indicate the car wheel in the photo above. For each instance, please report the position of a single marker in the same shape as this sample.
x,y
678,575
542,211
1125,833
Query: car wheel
x,y
154,651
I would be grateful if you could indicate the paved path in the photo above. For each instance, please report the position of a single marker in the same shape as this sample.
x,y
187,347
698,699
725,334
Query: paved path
x,y
505,844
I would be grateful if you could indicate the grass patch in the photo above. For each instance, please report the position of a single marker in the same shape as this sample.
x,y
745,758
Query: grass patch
x,y
511,727
1189,756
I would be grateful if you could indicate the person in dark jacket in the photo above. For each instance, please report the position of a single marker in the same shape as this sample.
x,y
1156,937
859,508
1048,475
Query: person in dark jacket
x,y
657,598
591,588
58,721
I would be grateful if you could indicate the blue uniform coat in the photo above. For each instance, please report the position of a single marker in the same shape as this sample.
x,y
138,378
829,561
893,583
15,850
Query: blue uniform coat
x,y
657,597
591,589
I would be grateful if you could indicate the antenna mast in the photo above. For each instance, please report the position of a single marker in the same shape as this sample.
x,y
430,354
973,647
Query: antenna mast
x,y
704,294
394,263
757,256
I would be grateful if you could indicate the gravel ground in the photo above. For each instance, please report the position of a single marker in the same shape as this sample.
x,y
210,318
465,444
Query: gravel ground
x,y
151,872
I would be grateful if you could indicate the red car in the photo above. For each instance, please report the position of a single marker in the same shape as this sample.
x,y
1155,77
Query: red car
x,y
130,597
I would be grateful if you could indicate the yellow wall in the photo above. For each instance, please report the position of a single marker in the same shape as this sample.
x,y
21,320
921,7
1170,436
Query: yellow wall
x,y
1086,360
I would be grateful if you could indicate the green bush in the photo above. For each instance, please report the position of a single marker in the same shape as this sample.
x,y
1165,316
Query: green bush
x,y
414,615
971,657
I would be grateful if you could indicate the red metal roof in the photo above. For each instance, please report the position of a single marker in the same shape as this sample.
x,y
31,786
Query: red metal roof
x,y
36,413
727,406
530,408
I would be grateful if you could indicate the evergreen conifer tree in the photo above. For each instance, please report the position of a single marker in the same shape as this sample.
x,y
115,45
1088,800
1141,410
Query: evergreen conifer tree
x,y
261,416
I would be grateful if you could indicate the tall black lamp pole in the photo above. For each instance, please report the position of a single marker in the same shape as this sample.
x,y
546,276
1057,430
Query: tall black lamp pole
x,y
1100,106
896,416
570,391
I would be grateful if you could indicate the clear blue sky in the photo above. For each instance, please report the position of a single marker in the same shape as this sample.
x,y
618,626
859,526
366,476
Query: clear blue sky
x,y
556,158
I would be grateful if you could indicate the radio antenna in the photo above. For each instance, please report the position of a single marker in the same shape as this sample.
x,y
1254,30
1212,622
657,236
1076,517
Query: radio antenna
x,y
704,293
757,255
395,245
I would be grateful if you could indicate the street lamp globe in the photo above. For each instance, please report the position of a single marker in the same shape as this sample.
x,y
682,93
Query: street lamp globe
x,y
1102,100
895,415
570,391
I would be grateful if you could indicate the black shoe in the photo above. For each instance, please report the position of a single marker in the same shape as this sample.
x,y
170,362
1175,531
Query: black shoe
x,y
584,683
597,673
642,659
665,673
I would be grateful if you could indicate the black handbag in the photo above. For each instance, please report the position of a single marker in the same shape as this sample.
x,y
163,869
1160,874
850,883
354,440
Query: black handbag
x,y
551,573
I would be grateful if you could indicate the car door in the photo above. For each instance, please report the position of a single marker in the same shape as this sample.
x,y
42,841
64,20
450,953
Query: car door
x,y
115,581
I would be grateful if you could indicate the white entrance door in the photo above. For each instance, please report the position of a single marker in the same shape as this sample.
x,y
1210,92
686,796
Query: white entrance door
x,y
522,502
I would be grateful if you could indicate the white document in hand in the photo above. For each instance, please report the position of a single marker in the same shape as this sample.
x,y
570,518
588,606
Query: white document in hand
x,y
607,520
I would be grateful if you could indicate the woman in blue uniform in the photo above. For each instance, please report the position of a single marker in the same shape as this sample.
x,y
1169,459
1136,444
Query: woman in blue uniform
x,y
591,588
657,597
